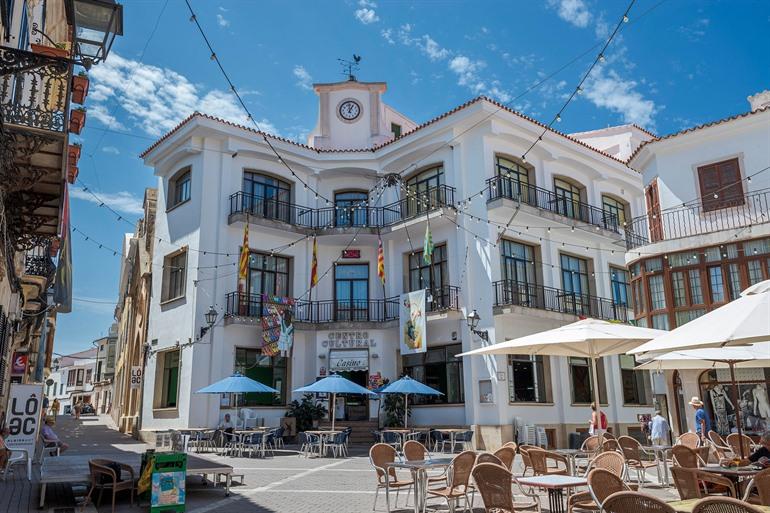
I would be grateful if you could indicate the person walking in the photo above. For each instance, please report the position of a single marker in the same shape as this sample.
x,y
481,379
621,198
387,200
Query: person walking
x,y
598,425
659,429
77,409
55,405
702,421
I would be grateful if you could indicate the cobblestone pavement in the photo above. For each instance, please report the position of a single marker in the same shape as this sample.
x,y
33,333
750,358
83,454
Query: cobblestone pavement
x,y
285,483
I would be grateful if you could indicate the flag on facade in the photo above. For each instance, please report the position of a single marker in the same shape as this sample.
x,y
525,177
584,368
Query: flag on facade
x,y
62,292
380,260
243,265
314,265
427,247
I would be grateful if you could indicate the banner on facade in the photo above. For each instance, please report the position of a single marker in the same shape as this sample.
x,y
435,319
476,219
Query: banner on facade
x,y
25,407
277,325
412,322
136,377
19,364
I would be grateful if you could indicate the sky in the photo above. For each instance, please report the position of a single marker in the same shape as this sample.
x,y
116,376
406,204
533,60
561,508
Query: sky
x,y
675,64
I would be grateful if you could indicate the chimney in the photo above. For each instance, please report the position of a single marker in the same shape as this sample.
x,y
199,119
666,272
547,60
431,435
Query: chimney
x,y
759,101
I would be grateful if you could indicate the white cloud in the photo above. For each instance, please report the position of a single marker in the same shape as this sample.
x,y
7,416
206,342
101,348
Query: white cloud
x,y
696,30
111,149
387,35
122,201
432,49
156,99
366,13
467,71
610,91
572,11
304,79
222,21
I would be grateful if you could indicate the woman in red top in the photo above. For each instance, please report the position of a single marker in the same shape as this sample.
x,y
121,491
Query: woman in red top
x,y
597,425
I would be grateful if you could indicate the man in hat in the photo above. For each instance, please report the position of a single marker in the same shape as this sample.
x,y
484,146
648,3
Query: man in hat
x,y
702,422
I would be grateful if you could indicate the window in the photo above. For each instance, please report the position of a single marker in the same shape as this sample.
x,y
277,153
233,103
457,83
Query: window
x,y
696,291
660,322
266,196
267,275
721,185
518,273
580,377
433,276
567,198
636,384
716,283
574,277
270,370
71,378
79,378
678,289
395,130
754,271
424,191
636,288
89,373
735,281
179,187
438,368
688,315
351,208
168,367
351,292
619,285
657,294
527,378
174,275
514,180
614,212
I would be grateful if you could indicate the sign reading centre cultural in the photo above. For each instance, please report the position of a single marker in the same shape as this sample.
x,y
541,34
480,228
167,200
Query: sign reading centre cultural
x,y
412,322
24,412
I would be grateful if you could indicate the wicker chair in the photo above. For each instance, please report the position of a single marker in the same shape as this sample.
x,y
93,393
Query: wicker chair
x,y
458,481
540,458
723,505
524,451
691,440
721,448
514,445
734,441
494,485
588,449
686,457
611,462
760,483
692,483
601,484
610,445
636,457
488,457
625,502
105,477
506,454
380,455
414,451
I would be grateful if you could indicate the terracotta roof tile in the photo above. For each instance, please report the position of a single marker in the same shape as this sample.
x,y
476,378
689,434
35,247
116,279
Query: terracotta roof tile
x,y
695,128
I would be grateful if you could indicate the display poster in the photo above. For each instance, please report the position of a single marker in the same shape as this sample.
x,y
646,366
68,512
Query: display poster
x,y
277,325
412,322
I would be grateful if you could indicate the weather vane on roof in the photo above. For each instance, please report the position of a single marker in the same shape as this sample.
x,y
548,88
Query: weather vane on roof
x,y
350,67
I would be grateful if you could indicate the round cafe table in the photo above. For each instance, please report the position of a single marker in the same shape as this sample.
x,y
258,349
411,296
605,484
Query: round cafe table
x,y
736,474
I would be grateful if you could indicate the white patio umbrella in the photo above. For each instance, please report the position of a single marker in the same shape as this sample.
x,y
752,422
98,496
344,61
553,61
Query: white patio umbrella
x,y
753,355
590,338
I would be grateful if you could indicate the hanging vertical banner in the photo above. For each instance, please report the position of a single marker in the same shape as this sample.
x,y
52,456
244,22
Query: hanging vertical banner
x,y
277,325
412,322
62,291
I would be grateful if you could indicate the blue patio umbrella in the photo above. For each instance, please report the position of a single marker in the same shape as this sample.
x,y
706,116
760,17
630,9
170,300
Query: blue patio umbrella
x,y
334,384
406,386
236,384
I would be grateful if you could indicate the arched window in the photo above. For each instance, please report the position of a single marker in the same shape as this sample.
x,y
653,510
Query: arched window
x,y
179,187
615,212
568,199
514,180
425,191
266,196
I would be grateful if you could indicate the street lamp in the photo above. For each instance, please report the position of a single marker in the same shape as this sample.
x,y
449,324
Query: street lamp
x,y
96,23
473,322
211,318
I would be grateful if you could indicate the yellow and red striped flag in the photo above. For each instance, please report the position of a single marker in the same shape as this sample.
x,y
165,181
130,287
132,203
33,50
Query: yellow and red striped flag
x,y
243,264
314,265
380,260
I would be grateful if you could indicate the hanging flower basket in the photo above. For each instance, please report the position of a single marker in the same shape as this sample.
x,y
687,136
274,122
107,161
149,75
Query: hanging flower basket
x,y
50,51
77,120
80,88
73,154
72,173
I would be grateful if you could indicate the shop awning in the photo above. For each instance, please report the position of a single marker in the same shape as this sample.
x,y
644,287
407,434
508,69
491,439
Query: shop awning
x,y
348,360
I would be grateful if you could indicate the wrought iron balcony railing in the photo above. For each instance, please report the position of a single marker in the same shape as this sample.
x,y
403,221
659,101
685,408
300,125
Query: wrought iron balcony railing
x,y
750,209
509,292
241,304
341,217
34,89
38,262
505,187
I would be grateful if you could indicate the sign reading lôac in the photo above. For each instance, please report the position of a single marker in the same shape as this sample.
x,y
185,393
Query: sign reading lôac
x,y
25,407
412,322
136,377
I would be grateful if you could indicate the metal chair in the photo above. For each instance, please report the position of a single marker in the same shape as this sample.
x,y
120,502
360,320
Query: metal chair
x,y
458,480
105,477
337,444
380,455
494,485
15,457
760,483
723,505
391,438
625,502
463,439
692,483
636,458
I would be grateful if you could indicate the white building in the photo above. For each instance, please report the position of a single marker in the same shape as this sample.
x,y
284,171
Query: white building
x,y
561,257
72,379
705,238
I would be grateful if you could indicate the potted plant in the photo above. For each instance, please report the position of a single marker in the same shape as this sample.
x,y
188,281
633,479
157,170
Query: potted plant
x,y
307,412
77,120
73,153
80,87
59,51
72,173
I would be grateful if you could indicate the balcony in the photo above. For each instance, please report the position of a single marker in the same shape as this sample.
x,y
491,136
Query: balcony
x,y
37,277
671,224
504,187
243,204
240,304
513,293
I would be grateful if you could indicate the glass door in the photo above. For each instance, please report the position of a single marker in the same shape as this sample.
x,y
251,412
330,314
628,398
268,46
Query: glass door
x,y
351,289
266,196
574,276
567,199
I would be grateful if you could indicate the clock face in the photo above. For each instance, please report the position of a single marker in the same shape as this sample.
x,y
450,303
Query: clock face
x,y
349,110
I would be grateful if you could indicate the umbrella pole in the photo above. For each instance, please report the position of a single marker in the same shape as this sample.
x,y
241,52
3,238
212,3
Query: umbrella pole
x,y
406,409
333,409
595,385
737,406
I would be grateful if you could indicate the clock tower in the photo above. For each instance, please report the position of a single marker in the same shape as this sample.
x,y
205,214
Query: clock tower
x,y
351,115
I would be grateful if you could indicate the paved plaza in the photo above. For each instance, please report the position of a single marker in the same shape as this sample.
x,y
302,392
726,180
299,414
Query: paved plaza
x,y
286,482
